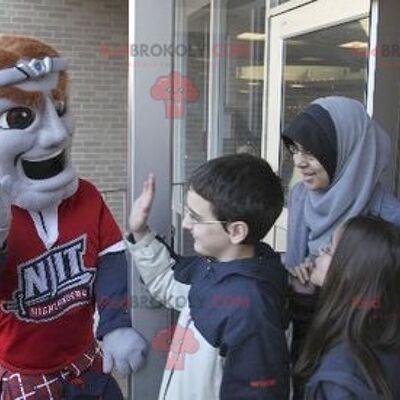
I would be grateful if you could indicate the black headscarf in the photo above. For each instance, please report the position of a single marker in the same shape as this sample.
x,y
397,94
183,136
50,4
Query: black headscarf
x,y
315,131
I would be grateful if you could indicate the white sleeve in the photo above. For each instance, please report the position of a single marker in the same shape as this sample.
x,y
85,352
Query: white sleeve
x,y
154,263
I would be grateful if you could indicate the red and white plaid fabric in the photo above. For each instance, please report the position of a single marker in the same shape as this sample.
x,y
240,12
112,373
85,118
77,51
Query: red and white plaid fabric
x,y
17,386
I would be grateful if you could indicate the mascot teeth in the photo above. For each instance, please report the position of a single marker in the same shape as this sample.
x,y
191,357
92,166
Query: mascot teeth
x,y
44,158
46,167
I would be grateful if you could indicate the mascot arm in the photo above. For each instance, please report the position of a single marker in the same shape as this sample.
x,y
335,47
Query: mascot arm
x,y
5,219
111,292
3,255
123,347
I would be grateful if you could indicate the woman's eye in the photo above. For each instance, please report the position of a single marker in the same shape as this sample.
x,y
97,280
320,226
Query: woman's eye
x,y
17,118
61,108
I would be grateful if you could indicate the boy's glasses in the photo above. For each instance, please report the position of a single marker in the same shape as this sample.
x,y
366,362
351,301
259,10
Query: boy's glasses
x,y
196,219
294,150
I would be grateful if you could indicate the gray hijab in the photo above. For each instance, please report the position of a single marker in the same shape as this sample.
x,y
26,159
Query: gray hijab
x,y
363,153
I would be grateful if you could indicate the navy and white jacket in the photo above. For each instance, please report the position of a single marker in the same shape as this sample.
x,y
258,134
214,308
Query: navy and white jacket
x,y
229,342
339,377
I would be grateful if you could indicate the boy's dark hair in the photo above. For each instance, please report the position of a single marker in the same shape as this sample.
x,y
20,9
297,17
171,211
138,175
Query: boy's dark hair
x,y
241,187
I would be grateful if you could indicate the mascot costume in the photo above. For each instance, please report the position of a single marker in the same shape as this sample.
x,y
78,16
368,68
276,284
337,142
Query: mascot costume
x,y
64,252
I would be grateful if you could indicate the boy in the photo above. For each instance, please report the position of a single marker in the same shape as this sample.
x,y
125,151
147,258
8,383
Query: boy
x,y
229,342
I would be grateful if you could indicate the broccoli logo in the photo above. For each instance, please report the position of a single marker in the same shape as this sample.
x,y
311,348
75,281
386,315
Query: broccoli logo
x,y
183,343
175,90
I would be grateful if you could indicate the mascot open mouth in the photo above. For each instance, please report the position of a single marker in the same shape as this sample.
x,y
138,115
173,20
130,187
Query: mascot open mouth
x,y
45,168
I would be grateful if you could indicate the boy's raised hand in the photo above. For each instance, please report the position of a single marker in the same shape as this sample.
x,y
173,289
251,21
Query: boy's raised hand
x,y
141,208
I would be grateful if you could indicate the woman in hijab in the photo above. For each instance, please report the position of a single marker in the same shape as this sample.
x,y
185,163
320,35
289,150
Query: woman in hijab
x,y
340,154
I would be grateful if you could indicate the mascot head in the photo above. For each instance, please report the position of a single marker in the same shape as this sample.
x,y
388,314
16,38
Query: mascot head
x,y
36,126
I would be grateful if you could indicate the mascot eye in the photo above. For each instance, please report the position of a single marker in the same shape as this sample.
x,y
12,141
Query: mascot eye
x,y
17,118
61,108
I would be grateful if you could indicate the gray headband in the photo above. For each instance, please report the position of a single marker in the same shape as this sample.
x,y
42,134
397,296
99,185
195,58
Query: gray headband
x,y
32,69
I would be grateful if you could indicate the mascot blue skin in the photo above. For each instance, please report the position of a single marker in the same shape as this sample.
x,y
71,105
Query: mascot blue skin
x,y
37,178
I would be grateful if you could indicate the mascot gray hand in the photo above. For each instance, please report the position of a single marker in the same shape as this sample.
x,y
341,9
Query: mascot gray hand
x,y
5,212
123,349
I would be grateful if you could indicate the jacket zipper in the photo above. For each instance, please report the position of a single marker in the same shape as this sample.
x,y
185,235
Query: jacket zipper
x,y
179,352
180,348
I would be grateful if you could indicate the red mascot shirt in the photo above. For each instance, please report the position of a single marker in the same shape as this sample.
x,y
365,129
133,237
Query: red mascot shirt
x,y
47,303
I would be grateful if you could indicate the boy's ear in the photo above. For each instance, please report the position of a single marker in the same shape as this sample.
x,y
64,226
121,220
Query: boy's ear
x,y
238,231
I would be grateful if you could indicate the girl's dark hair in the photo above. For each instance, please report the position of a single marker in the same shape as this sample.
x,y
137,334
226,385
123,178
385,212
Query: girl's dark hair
x,y
241,187
359,302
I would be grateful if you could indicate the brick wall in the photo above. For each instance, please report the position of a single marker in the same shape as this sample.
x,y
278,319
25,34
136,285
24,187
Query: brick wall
x,y
93,35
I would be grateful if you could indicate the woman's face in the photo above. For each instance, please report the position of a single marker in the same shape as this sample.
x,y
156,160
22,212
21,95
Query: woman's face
x,y
323,261
312,173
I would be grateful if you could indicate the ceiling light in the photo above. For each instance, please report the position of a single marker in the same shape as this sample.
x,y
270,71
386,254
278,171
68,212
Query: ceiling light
x,y
315,59
297,86
296,42
354,45
251,36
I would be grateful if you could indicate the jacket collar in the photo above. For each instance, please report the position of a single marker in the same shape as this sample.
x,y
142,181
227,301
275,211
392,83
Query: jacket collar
x,y
255,267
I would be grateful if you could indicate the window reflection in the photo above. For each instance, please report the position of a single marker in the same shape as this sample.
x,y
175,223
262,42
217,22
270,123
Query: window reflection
x,y
198,37
240,116
192,36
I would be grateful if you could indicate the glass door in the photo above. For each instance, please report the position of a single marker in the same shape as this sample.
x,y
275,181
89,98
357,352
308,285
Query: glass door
x,y
241,69
190,138
219,67
316,50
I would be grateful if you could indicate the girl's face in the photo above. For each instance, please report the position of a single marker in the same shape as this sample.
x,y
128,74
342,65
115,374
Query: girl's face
x,y
312,173
323,261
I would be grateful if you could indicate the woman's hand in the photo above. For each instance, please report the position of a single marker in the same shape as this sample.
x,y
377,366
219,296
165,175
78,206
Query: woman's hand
x,y
299,277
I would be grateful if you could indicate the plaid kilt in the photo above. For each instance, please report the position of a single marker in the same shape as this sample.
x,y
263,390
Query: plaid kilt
x,y
19,386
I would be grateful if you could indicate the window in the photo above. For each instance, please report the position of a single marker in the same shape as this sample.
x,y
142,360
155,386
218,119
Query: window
x,y
242,77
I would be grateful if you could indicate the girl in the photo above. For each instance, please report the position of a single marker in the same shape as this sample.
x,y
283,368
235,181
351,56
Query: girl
x,y
352,350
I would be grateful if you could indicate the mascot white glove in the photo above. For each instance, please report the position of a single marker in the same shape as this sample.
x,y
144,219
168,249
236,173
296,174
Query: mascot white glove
x,y
123,349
